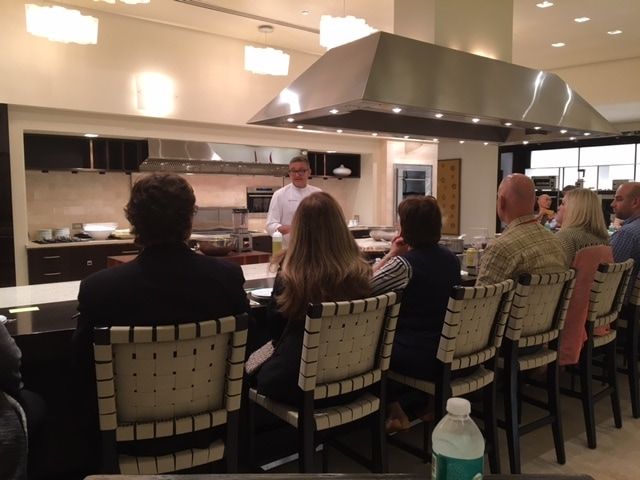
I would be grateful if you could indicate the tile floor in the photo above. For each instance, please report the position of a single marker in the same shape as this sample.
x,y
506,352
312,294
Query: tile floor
x,y
615,458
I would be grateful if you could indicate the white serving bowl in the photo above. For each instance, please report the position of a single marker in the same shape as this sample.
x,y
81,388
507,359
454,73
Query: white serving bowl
x,y
99,231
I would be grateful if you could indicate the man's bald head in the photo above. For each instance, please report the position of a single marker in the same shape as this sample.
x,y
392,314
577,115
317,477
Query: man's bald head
x,y
626,203
516,197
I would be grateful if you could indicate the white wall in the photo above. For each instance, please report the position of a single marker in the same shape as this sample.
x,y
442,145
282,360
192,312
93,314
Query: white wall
x,y
210,82
479,170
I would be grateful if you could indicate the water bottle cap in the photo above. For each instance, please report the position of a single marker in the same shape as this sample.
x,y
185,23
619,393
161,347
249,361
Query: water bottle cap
x,y
458,406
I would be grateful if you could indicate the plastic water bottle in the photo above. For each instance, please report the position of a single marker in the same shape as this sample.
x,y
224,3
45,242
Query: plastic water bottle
x,y
457,445
276,243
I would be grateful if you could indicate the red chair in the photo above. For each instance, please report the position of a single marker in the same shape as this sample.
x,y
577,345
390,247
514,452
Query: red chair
x,y
574,333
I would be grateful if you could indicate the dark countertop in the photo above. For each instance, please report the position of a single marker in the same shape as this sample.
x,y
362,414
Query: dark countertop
x,y
327,476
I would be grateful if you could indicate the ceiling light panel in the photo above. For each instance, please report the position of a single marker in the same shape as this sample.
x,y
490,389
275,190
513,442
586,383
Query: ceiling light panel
x,y
614,32
558,44
544,4
581,19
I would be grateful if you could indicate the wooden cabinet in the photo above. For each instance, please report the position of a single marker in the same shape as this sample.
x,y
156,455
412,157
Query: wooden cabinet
x,y
63,152
64,264
323,164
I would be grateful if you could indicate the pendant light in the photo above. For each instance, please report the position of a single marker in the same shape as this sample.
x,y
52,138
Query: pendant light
x,y
336,31
266,61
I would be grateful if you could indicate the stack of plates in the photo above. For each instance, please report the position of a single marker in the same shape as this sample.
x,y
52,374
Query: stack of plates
x,y
261,294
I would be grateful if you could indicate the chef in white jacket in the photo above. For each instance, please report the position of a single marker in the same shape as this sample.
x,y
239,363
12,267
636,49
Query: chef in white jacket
x,y
285,201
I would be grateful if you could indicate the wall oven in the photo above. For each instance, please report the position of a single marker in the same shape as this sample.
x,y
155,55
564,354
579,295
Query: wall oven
x,y
411,180
259,198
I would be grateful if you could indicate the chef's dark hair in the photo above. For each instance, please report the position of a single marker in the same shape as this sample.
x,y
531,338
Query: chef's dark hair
x,y
161,209
420,221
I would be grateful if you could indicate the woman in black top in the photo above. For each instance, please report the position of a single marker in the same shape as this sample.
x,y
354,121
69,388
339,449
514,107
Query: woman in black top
x,y
322,263
435,270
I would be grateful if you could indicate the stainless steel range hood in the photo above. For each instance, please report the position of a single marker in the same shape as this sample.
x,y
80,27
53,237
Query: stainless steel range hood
x,y
440,92
181,156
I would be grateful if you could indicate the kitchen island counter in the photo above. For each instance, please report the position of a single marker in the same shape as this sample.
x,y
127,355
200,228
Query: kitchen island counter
x,y
67,291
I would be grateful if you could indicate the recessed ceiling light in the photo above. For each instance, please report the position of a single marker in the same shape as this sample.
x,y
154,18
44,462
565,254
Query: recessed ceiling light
x,y
507,124
91,135
486,143
331,151
374,134
475,120
586,134
305,12
339,131
439,115
544,4
563,131
525,142
300,126
333,111
435,140
291,119
537,128
406,136
461,141
614,32
572,138
396,109
581,19
558,44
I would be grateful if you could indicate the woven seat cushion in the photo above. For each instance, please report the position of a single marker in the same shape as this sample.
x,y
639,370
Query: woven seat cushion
x,y
324,418
479,378
172,462
601,340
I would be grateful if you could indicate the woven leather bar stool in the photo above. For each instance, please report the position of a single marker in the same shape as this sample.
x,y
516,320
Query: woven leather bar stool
x,y
629,321
346,348
531,341
471,336
607,294
156,382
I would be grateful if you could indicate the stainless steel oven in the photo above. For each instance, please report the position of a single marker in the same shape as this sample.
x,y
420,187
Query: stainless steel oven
x,y
411,180
259,198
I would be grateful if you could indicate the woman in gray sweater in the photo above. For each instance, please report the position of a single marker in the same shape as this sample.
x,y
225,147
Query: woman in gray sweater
x,y
582,222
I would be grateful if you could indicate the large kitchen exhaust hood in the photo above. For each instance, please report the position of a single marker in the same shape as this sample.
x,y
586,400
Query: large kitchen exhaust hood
x,y
182,156
397,86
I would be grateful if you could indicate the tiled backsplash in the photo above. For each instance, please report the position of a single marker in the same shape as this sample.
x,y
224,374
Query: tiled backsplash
x,y
59,199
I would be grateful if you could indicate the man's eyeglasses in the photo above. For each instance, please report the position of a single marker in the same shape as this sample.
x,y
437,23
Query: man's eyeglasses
x,y
299,172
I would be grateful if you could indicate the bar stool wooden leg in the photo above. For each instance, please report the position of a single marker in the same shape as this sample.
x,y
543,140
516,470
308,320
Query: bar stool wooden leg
x,y
491,426
586,393
511,413
613,382
553,389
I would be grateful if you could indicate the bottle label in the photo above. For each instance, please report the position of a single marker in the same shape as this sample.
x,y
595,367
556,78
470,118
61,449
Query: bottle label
x,y
447,468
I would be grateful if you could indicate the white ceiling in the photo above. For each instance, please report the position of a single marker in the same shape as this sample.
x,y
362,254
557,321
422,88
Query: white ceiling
x,y
534,29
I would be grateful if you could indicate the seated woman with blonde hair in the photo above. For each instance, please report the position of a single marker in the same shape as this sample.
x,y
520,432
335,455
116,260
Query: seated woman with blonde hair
x,y
322,263
582,220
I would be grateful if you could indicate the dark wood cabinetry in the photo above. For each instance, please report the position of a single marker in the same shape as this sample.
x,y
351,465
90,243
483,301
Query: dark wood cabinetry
x,y
323,164
64,264
63,152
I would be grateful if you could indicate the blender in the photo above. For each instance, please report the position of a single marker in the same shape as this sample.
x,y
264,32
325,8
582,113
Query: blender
x,y
240,218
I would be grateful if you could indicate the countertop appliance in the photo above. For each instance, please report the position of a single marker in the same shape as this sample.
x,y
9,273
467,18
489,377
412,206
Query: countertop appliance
x,y
216,221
